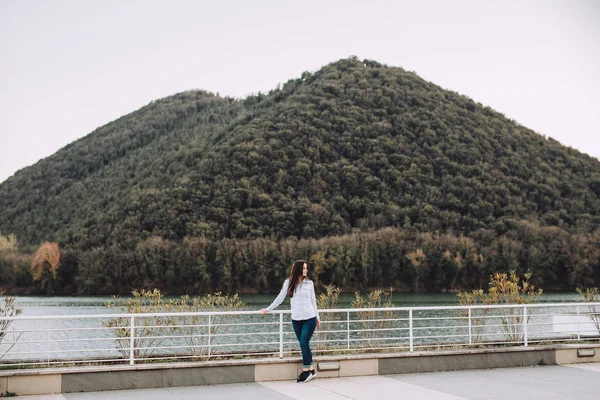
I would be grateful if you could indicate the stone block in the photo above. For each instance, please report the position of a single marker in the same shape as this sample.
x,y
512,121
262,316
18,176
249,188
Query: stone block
x,y
543,357
276,372
400,365
566,356
359,367
469,361
436,363
208,375
569,356
328,374
117,380
34,384
505,360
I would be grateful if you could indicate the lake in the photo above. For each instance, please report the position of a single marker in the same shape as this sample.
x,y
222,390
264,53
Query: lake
x,y
76,338
66,305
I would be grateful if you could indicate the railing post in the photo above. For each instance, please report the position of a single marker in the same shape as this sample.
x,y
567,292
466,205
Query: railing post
x,y
578,321
410,329
470,335
209,337
131,340
525,326
348,328
280,335
48,344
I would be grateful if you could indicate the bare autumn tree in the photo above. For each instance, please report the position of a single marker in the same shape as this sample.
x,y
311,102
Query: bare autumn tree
x,y
44,265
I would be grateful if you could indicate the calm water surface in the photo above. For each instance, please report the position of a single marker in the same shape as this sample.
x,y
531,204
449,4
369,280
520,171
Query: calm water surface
x,y
69,305
86,338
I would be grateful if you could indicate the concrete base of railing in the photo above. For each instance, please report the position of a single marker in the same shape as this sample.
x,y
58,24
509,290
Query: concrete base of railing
x,y
144,376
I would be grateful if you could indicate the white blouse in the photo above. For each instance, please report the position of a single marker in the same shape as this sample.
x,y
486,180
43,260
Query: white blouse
x,y
304,302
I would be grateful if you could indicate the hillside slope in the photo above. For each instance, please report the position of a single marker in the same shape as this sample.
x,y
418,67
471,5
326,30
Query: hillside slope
x,y
355,147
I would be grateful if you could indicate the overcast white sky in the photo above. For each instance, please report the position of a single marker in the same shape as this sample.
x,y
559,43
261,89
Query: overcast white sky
x,y
68,67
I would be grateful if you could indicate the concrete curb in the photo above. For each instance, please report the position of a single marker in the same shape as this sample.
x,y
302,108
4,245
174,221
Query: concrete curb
x,y
145,376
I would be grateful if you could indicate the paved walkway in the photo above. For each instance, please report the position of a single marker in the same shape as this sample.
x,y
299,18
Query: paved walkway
x,y
564,382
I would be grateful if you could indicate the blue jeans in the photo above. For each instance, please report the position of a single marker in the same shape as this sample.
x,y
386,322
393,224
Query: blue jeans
x,y
304,330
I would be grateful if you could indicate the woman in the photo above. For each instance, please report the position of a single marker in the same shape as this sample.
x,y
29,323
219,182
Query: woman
x,y
305,317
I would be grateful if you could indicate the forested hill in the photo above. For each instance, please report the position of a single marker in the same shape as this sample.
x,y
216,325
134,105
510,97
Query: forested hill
x,y
348,150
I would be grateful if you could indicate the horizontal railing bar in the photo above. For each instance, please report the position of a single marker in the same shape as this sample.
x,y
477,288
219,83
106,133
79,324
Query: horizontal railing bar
x,y
440,327
440,336
438,345
60,330
206,335
245,324
375,348
217,345
439,318
378,330
58,340
204,356
100,328
371,348
12,353
353,310
371,339
556,323
103,328
66,361
573,339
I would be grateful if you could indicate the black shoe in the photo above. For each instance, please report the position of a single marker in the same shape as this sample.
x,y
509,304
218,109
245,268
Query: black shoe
x,y
313,374
305,376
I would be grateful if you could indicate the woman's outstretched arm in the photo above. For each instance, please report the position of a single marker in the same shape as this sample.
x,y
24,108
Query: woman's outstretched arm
x,y
279,299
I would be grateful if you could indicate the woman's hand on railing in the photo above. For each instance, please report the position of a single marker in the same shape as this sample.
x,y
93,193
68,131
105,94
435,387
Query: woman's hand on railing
x,y
264,311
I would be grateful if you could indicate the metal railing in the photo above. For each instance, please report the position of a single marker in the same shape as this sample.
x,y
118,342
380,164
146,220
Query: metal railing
x,y
67,340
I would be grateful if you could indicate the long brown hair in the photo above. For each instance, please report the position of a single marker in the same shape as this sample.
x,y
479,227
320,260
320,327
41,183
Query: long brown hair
x,y
295,274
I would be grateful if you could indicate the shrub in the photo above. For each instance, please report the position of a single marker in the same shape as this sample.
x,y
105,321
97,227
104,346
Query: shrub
x,y
327,300
195,329
8,309
503,289
149,332
591,296
374,323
